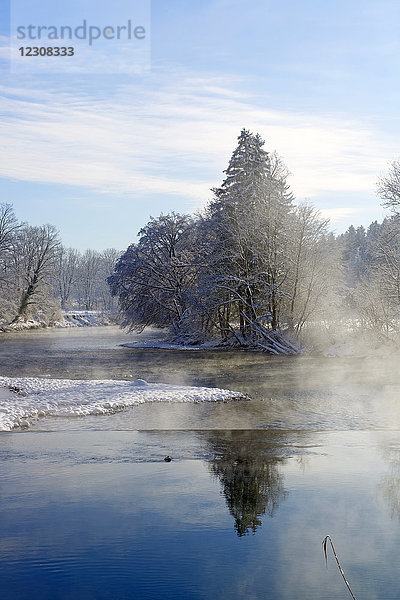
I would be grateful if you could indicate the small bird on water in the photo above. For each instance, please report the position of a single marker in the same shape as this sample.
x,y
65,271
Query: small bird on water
x,y
167,459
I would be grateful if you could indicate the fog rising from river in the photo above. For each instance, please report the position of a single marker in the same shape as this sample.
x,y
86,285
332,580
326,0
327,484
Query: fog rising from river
x,y
300,392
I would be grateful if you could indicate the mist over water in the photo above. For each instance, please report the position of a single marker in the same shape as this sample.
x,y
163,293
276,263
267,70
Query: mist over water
x,y
300,392
91,509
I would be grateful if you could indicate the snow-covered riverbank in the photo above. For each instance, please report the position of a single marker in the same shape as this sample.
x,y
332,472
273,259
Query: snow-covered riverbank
x,y
23,399
85,318
70,318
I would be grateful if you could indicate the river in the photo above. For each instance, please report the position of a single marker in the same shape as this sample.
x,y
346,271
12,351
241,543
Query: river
x,y
91,510
301,392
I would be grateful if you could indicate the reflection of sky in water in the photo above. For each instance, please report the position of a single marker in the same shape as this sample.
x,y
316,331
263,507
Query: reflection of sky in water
x,y
90,514
100,515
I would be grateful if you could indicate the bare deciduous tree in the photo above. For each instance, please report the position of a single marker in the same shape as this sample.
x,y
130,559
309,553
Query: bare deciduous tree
x,y
9,225
152,278
312,266
37,249
389,187
67,273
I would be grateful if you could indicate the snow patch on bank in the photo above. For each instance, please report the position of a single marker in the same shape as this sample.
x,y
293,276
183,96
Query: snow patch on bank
x,y
23,399
85,318
72,318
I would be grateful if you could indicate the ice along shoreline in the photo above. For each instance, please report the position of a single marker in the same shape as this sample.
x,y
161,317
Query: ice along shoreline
x,y
26,399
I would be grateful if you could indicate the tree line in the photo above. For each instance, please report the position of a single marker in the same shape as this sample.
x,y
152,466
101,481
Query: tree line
x,y
39,276
250,267
372,276
254,269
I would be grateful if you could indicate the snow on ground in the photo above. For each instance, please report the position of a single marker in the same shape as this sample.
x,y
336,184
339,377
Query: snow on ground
x,y
84,318
70,318
22,325
25,398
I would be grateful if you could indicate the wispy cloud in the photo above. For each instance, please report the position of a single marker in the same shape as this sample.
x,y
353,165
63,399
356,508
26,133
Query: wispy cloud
x,y
339,213
173,134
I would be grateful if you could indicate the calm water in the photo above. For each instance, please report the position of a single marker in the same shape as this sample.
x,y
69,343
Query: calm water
x,y
287,392
89,509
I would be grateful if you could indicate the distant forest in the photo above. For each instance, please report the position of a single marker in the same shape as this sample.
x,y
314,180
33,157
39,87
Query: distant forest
x,y
254,269
39,276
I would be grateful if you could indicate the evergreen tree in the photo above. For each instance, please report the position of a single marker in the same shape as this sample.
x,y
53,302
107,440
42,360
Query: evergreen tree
x,y
247,228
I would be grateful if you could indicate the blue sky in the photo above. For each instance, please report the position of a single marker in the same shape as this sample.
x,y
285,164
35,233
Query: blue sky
x,y
97,154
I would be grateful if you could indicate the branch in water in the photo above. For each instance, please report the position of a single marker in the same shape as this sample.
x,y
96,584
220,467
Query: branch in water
x,y
324,545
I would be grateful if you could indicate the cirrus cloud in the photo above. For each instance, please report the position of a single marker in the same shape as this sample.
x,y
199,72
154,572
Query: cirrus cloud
x,y
173,134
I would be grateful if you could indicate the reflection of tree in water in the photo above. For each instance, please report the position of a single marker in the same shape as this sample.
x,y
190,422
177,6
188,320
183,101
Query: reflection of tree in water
x,y
247,465
390,483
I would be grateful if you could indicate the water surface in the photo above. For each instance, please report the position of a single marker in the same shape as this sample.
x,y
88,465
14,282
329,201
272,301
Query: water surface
x,y
236,514
89,509
302,392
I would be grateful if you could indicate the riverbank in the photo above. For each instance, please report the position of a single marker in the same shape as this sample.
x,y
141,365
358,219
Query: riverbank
x,y
24,400
294,392
70,318
348,342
